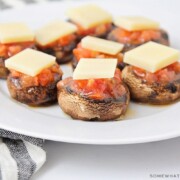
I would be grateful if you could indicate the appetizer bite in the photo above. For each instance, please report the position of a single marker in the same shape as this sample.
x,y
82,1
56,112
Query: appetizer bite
x,y
96,91
133,31
90,20
33,77
57,38
93,47
14,37
154,73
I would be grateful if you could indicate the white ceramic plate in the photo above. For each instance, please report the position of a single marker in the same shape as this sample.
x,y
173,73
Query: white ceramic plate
x,y
141,124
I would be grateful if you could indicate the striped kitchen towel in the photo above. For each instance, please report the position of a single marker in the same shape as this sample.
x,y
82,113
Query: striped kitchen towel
x,y
4,4
20,156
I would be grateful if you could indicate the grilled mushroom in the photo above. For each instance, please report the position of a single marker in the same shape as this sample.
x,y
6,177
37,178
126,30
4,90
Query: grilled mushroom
x,y
163,39
81,106
154,92
34,90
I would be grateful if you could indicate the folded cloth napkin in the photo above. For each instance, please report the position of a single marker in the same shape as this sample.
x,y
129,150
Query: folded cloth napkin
x,y
20,156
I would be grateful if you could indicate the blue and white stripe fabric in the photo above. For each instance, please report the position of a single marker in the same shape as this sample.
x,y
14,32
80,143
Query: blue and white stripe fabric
x,y
4,4
20,156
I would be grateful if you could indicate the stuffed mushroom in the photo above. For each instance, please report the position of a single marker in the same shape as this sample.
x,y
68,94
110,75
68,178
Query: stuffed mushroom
x,y
93,47
135,31
148,77
101,99
35,83
13,43
57,38
90,20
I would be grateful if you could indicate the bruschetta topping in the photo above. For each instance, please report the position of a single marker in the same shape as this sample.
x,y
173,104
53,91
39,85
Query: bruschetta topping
x,y
136,37
44,78
168,74
98,89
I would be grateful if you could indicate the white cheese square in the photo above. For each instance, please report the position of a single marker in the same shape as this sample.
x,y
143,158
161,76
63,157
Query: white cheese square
x,y
53,31
30,62
15,32
151,56
91,68
101,45
89,16
135,23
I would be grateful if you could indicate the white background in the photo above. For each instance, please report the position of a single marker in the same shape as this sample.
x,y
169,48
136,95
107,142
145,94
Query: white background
x,y
120,162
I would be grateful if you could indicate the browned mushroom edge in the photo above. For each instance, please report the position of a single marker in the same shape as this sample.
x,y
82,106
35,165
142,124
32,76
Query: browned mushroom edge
x,y
3,70
63,54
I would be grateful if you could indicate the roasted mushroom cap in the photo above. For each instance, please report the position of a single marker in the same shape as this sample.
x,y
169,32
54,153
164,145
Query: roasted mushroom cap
x,y
154,93
164,39
84,108
33,95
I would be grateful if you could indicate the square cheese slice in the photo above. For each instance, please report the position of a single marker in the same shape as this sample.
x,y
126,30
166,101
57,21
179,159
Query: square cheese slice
x,y
53,31
91,68
89,16
30,62
101,45
152,56
135,23
15,32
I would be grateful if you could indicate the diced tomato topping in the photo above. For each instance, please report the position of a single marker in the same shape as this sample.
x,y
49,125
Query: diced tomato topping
x,y
44,78
135,37
81,52
8,50
97,30
100,88
14,49
62,41
164,75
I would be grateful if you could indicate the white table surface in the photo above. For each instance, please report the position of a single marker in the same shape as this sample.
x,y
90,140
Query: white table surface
x,y
120,162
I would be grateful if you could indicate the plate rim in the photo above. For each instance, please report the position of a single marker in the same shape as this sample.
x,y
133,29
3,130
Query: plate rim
x,y
76,140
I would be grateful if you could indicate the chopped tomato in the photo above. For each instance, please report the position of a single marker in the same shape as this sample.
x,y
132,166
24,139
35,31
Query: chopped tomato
x,y
8,50
164,75
97,30
44,78
62,41
100,88
81,52
14,49
135,37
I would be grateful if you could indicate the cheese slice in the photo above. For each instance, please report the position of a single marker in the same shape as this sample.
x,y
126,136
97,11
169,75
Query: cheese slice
x,y
152,56
101,45
53,31
30,62
15,32
89,16
90,68
135,23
